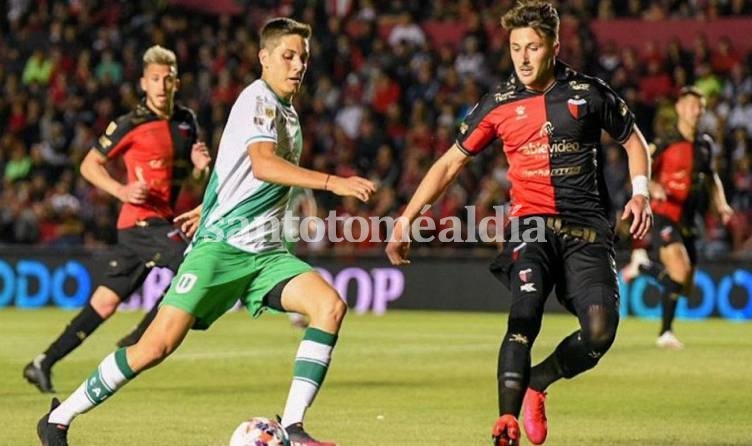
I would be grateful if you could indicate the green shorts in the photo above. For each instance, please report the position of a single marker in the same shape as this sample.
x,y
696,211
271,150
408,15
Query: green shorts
x,y
214,275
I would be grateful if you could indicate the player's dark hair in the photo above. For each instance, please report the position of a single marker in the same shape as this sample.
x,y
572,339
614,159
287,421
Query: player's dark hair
x,y
281,26
541,16
690,91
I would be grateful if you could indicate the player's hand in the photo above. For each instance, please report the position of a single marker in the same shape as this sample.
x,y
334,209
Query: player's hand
x,y
200,156
189,221
135,192
357,187
642,216
657,191
399,244
726,213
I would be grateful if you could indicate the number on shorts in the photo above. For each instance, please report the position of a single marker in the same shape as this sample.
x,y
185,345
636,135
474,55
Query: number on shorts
x,y
185,283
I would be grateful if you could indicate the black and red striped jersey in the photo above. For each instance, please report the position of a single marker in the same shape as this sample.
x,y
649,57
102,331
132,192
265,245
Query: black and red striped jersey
x,y
155,150
683,168
552,142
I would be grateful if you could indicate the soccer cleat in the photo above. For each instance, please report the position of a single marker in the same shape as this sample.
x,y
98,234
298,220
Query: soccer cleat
x,y
534,410
52,434
299,437
669,340
637,265
39,376
506,431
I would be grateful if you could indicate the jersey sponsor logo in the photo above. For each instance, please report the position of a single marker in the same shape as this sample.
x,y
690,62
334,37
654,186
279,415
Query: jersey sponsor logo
x,y
547,129
528,287
521,112
159,163
501,97
574,85
556,172
577,107
518,338
185,283
535,148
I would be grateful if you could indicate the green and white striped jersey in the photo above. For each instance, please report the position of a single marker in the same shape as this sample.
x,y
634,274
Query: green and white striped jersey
x,y
238,208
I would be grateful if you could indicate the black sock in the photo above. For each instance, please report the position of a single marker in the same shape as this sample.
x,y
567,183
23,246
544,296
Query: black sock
x,y
669,301
74,334
144,324
545,373
513,374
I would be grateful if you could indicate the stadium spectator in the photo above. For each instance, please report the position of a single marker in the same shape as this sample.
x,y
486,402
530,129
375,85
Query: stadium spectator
x,y
548,118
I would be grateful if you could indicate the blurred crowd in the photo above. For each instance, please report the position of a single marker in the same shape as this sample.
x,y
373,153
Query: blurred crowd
x,y
380,100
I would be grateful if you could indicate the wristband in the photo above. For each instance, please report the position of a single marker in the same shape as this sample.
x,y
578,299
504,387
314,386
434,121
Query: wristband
x,y
640,186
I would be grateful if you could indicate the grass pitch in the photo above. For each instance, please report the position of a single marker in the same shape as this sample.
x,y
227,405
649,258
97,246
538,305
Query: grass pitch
x,y
406,378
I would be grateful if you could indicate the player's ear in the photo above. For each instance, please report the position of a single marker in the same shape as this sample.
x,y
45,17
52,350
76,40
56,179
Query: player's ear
x,y
264,57
557,46
177,84
142,83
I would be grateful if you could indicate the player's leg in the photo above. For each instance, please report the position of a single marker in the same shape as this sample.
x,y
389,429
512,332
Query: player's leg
x,y
587,288
123,275
167,245
525,268
677,280
308,294
116,370
206,286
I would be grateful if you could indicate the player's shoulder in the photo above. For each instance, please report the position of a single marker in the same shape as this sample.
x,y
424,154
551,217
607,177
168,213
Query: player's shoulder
x,y
183,113
706,139
667,139
257,90
584,84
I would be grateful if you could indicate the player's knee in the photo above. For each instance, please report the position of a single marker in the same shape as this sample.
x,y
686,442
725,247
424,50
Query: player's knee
x,y
105,307
600,331
331,307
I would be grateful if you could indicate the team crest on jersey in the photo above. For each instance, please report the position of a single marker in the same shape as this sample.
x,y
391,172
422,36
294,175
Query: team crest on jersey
x,y
520,110
577,107
526,274
185,129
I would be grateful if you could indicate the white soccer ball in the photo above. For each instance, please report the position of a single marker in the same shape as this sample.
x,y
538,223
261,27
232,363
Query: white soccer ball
x,y
259,431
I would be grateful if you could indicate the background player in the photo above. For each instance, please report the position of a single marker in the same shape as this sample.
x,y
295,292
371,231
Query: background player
x,y
238,249
158,143
548,119
683,179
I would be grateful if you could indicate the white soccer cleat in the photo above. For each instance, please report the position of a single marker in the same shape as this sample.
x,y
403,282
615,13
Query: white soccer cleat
x,y
669,340
632,269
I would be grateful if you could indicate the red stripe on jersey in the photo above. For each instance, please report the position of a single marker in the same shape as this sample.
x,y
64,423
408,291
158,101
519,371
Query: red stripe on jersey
x,y
673,170
150,159
526,144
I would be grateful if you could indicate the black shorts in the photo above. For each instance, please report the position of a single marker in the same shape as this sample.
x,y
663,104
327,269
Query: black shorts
x,y
577,261
666,232
150,243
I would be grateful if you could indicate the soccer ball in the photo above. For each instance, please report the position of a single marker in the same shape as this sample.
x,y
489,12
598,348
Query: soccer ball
x,y
259,431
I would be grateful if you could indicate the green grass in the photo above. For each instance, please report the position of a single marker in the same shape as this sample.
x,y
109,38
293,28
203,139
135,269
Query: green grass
x,y
431,376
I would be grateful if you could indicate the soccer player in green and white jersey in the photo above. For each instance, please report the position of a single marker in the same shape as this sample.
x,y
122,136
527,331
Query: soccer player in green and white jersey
x,y
238,248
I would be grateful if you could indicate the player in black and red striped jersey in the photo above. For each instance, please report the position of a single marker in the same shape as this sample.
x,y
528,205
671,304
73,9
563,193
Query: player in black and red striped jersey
x,y
548,119
683,180
158,142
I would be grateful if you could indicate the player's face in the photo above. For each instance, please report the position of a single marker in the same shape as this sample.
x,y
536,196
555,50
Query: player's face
x,y
689,110
159,82
285,65
533,57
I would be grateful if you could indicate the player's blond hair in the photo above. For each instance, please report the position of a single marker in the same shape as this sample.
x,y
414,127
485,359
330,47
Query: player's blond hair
x,y
541,16
160,55
281,26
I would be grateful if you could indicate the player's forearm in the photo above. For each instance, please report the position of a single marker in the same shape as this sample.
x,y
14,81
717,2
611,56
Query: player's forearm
x,y
439,177
718,195
273,169
638,155
96,173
